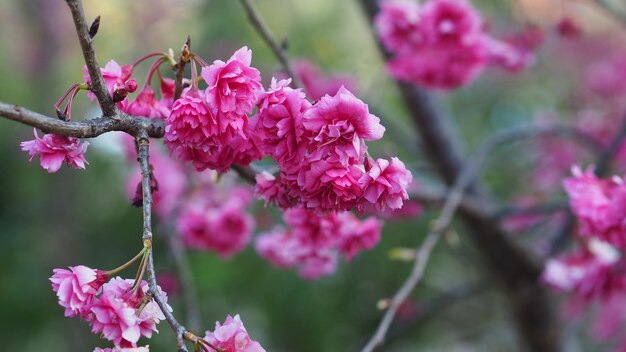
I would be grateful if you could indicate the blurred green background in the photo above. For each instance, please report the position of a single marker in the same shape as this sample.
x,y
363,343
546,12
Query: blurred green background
x,y
84,217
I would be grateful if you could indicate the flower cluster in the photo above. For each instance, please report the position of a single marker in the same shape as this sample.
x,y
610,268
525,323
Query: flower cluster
x,y
313,241
321,152
114,308
595,270
210,128
599,205
442,44
53,150
213,221
232,336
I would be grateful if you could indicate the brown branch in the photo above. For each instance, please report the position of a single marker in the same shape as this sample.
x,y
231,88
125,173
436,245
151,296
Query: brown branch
x,y
143,157
86,43
84,129
514,268
185,56
264,31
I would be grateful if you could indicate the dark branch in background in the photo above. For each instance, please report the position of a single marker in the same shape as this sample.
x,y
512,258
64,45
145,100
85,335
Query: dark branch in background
x,y
185,56
257,21
515,269
87,128
434,305
452,203
86,43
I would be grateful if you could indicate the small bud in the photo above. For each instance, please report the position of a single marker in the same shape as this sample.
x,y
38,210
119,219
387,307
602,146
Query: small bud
x,y
95,25
402,254
61,115
119,94
185,52
131,85
383,304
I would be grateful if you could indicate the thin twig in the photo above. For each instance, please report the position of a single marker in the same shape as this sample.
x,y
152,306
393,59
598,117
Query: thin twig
x,y
86,43
452,203
185,56
264,31
143,157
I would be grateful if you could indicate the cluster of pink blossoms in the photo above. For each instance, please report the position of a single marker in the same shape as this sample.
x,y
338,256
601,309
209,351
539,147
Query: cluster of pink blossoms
x,y
443,44
313,241
217,222
597,269
112,307
321,152
210,128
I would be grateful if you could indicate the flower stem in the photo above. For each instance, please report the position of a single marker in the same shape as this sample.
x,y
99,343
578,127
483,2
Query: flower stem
x,y
127,264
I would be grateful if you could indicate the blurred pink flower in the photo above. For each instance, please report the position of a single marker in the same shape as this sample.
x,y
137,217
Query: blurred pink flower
x,y
317,84
224,228
596,271
599,205
123,349
398,25
54,149
356,235
232,336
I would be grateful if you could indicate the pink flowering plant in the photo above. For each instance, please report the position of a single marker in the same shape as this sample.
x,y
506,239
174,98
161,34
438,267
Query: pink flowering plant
x,y
301,168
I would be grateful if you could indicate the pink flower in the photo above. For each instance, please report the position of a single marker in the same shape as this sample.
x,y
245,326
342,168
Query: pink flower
x,y
330,185
232,337
116,316
279,247
145,104
450,22
313,241
509,56
76,288
280,131
339,124
276,190
317,84
385,183
444,67
397,25
115,320
123,349
191,122
599,205
233,84
357,235
115,76
194,133
596,271
54,149
225,229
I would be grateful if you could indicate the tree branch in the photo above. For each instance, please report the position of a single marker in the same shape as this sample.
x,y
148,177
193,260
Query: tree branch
x,y
86,43
264,31
87,128
513,267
